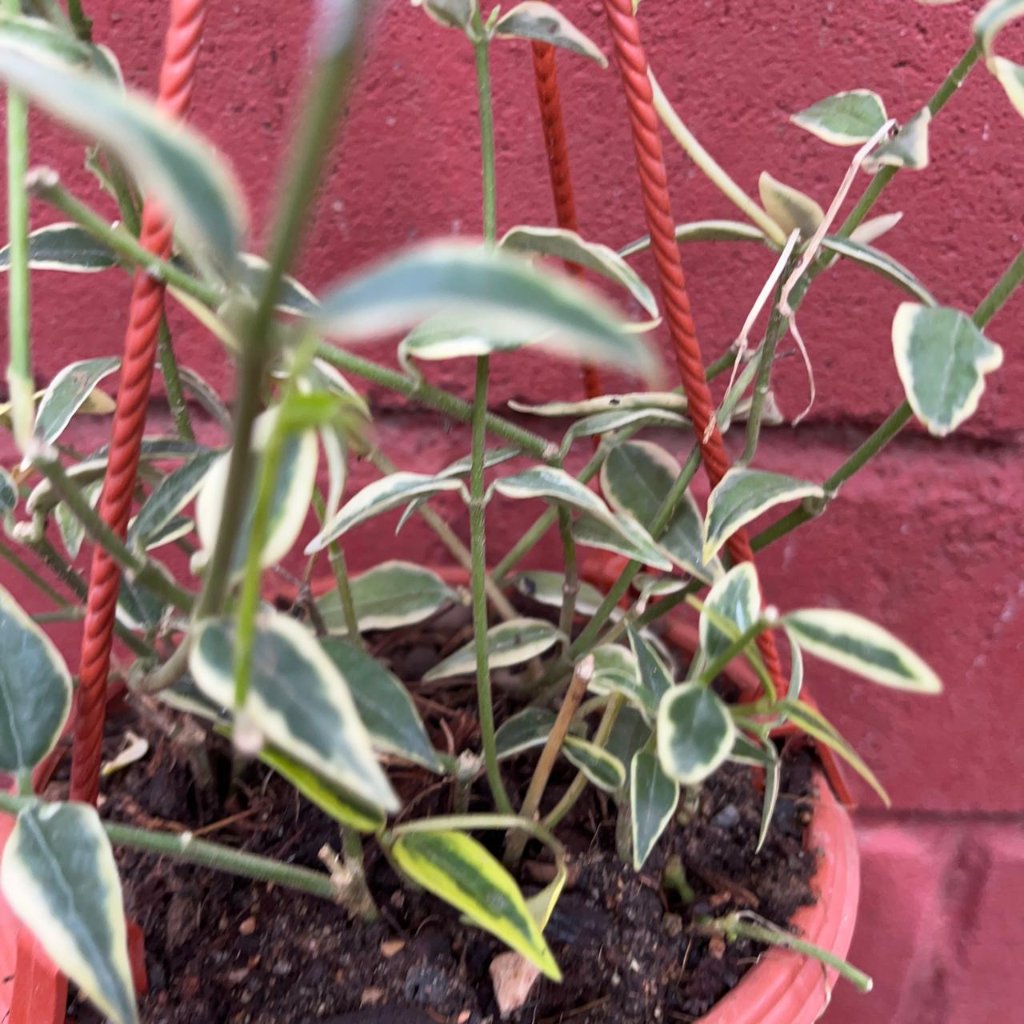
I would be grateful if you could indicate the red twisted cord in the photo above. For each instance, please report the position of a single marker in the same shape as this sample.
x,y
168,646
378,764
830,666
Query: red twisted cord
x,y
545,69
658,209
181,52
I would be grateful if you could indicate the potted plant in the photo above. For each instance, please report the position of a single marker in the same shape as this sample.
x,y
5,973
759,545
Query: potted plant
x,y
539,750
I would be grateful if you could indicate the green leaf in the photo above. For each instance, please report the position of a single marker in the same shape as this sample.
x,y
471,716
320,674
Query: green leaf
x,y
759,753
460,871
735,598
292,296
8,493
992,19
744,494
772,786
616,671
942,359
908,148
290,503
495,295
59,877
880,262
450,13
193,184
389,596
570,247
695,733
600,768
65,247
814,723
874,227
541,21
629,734
139,608
705,231
525,730
169,497
69,526
626,538
35,690
654,676
68,392
862,647
548,588
608,422
789,207
845,119
636,478
39,35
298,701
383,703
510,643
1011,77
653,800
643,400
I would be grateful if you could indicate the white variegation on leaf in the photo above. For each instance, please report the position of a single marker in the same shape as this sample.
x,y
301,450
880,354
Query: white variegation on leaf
x,y
493,296
8,494
59,877
609,422
1011,77
907,149
992,19
880,262
546,24
292,295
873,228
735,598
627,538
655,677
194,185
616,672
298,700
64,247
523,731
600,768
67,393
790,208
562,244
705,231
744,494
388,596
845,119
862,647
548,588
942,359
695,733
450,13
643,400
653,799
35,690
69,526
292,495
508,644
379,497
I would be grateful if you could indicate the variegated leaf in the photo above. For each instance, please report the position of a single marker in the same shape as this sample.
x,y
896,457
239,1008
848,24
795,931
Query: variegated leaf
x,y
695,733
546,24
510,643
735,598
845,119
653,800
67,393
789,207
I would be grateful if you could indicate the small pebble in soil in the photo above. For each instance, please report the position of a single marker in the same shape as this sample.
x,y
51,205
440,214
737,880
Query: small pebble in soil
x,y
727,817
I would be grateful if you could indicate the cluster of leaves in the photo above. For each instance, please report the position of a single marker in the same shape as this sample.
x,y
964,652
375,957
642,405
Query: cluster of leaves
x,y
308,699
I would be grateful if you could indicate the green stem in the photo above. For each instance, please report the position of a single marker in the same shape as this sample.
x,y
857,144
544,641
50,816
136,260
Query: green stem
x,y
735,648
82,24
19,368
336,556
485,99
777,326
714,172
39,582
571,583
172,383
1000,293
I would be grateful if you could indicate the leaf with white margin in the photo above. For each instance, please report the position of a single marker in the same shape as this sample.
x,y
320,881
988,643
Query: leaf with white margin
x,y
862,647
670,400
880,262
908,148
495,297
542,22
695,733
845,119
59,877
616,671
169,497
377,498
772,787
874,227
568,246
297,700
510,643
65,247
194,185
549,483
993,18
654,676
525,730
736,598
292,295
636,478
69,526
942,359
600,768
35,690
449,13
1011,77
289,505
744,494
8,494
789,207
66,394
608,422
627,538
548,588
705,231
384,704
653,800
388,596
461,871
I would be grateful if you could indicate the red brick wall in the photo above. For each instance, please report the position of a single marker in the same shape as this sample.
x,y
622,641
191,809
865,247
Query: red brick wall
x,y
928,540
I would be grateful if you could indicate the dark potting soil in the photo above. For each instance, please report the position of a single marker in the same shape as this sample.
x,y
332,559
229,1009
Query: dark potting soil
x,y
224,950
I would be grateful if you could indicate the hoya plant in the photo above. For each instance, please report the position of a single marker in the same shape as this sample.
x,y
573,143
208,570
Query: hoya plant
x,y
299,688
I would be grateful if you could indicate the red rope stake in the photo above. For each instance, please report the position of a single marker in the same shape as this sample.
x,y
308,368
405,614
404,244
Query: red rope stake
x,y
549,97
177,76
661,224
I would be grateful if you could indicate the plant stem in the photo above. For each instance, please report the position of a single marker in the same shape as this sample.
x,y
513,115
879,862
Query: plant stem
x,y
571,583
777,325
485,99
26,570
1000,293
735,647
172,382
714,172
19,367
336,556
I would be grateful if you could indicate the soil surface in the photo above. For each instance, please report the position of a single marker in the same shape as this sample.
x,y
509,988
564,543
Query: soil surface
x,y
224,950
